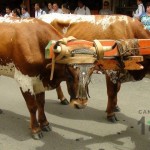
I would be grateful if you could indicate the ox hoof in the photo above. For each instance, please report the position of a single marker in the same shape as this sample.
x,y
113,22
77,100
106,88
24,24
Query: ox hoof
x,y
112,119
64,102
117,109
37,136
79,106
46,128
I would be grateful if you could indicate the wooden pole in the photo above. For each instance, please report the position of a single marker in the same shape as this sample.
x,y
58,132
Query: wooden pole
x,y
27,4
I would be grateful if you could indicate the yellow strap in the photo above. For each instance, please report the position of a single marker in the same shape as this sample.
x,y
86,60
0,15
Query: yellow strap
x,y
52,69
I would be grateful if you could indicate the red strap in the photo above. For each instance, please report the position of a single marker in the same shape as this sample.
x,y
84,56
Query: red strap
x,y
51,54
79,42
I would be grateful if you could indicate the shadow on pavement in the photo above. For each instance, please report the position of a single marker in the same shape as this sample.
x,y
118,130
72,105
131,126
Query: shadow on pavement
x,y
16,126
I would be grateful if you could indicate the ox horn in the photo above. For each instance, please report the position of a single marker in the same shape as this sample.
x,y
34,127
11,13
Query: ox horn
x,y
101,49
57,49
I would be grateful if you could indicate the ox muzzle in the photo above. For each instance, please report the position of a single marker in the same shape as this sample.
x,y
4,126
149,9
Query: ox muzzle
x,y
79,100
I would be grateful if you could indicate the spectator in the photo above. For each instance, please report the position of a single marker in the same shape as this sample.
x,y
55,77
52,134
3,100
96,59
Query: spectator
x,y
106,9
24,12
65,8
19,11
82,9
38,10
56,9
50,8
15,13
145,18
8,12
140,10
44,7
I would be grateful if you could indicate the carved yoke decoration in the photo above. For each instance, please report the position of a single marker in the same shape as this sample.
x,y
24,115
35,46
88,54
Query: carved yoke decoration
x,y
113,55
71,51
126,55
129,52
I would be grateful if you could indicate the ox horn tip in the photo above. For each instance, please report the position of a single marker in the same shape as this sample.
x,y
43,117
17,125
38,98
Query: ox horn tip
x,y
58,49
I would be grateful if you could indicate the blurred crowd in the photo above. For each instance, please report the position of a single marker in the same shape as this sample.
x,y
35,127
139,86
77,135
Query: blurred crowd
x,y
82,9
142,13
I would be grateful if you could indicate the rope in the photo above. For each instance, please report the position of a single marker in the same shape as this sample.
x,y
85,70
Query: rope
x,y
123,47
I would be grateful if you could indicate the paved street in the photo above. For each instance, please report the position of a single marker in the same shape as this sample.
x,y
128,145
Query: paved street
x,y
73,129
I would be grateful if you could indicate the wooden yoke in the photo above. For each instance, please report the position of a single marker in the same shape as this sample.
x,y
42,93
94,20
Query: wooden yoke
x,y
131,62
108,54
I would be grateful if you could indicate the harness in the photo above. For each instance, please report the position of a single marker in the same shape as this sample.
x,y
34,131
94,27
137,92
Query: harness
x,y
72,51
76,53
127,49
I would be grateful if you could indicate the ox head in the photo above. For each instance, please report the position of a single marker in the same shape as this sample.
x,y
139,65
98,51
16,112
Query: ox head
x,y
79,56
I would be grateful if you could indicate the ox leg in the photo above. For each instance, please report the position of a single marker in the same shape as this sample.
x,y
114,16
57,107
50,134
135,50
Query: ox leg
x,y
116,107
44,124
61,96
112,99
32,107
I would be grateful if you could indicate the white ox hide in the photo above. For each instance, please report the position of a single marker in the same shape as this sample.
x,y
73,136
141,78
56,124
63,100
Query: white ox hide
x,y
32,84
104,22
90,27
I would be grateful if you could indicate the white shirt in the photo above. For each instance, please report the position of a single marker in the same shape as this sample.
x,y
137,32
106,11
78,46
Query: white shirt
x,y
6,15
82,11
49,12
105,12
25,15
139,11
39,13
58,11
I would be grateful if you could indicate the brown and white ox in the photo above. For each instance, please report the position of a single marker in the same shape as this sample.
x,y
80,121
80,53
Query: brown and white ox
x,y
22,57
102,27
